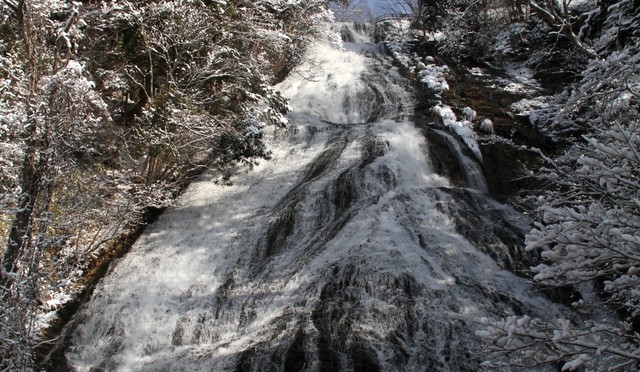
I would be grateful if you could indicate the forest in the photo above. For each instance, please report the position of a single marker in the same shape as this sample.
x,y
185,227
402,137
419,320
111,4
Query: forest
x,y
110,109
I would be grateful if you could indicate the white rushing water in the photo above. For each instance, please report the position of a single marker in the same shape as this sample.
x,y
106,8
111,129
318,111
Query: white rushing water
x,y
342,252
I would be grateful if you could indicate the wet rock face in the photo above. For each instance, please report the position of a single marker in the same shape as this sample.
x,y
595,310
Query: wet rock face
x,y
344,345
509,169
498,230
508,166
443,160
340,346
558,68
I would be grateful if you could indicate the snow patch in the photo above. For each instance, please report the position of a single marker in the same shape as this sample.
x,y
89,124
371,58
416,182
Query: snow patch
x,y
434,77
464,128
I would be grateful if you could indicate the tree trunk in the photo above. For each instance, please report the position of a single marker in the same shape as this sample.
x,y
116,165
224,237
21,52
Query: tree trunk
x,y
34,161
553,19
31,177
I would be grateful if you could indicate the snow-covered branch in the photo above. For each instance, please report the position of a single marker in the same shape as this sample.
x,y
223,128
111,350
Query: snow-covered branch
x,y
562,22
535,342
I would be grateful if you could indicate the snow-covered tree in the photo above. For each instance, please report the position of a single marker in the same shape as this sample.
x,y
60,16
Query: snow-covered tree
x,y
558,16
50,110
184,75
588,232
473,27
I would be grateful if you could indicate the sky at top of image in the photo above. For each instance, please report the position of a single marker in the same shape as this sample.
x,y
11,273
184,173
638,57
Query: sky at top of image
x,y
374,7
377,7
360,10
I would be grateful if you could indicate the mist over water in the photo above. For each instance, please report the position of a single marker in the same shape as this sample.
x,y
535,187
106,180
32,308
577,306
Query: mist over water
x,y
344,252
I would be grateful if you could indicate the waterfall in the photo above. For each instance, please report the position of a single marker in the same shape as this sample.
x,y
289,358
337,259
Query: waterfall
x,y
470,167
345,251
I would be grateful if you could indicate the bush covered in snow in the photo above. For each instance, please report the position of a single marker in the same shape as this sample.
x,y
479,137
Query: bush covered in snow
x,y
588,229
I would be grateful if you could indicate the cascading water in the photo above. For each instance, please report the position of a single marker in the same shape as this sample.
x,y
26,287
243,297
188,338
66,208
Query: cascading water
x,y
343,252
470,168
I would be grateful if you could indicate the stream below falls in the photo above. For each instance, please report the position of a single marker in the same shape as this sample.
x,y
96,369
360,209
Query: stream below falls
x,y
344,252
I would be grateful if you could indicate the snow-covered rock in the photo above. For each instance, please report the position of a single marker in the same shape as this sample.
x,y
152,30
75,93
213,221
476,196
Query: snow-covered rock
x,y
434,77
469,114
486,126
